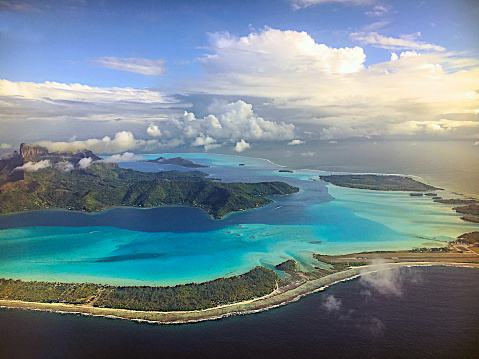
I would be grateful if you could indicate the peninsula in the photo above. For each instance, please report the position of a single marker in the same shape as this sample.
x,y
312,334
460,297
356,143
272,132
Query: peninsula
x,y
378,182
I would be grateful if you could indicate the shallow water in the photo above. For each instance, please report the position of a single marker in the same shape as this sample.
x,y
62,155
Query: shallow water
x,y
174,245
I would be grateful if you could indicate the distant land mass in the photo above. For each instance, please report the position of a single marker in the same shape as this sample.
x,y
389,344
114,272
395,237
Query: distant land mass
x,y
177,161
37,179
378,182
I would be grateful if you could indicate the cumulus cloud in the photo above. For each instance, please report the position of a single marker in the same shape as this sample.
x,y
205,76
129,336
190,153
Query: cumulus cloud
x,y
125,157
273,52
235,121
153,131
5,146
207,142
135,65
392,43
339,97
295,142
241,146
34,166
85,162
331,304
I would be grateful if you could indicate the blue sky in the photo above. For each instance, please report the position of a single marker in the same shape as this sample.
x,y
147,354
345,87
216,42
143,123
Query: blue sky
x,y
155,75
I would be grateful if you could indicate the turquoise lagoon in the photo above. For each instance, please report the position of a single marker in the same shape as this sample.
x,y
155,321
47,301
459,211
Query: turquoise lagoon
x,y
176,245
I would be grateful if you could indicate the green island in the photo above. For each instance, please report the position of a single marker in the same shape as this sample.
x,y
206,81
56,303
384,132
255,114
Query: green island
x,y
378,182
177,161
64,182
259,289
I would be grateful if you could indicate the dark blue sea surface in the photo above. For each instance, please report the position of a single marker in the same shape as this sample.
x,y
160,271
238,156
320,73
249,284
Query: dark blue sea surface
x,y
422,313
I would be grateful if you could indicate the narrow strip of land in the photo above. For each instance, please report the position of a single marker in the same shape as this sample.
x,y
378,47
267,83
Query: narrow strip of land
x,y
282,295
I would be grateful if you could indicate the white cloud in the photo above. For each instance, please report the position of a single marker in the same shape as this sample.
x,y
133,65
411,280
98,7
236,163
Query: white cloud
x,y
241,146
207,142
379,10
50,91
295,142
135,65
278,53
330,303
308,154
64,166
122,141
84,162
299,4
383,279
371,101
125,157
153,131
235,121
392,43
53,101
34,166
5,146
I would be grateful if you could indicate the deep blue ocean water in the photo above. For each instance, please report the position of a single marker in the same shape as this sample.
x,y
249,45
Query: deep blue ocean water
x,y
429,313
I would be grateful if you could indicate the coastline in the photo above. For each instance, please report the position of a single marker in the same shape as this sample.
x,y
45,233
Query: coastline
x,y
279,297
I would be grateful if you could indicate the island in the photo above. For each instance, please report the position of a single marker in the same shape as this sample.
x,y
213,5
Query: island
x,y
62,180
468,206
259,289
177,161
378,182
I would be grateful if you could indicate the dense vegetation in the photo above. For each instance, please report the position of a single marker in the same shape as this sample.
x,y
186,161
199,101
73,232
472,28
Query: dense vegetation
x,y
44,292
469,209
102,185
257,282
470,219
469,238
177,161
455,200
290,266
377,182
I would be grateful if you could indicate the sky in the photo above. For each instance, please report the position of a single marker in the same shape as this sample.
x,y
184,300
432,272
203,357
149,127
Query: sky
x,y
158,76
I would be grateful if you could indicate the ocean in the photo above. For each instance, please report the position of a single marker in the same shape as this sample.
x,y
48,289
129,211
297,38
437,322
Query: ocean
x,y
430,313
